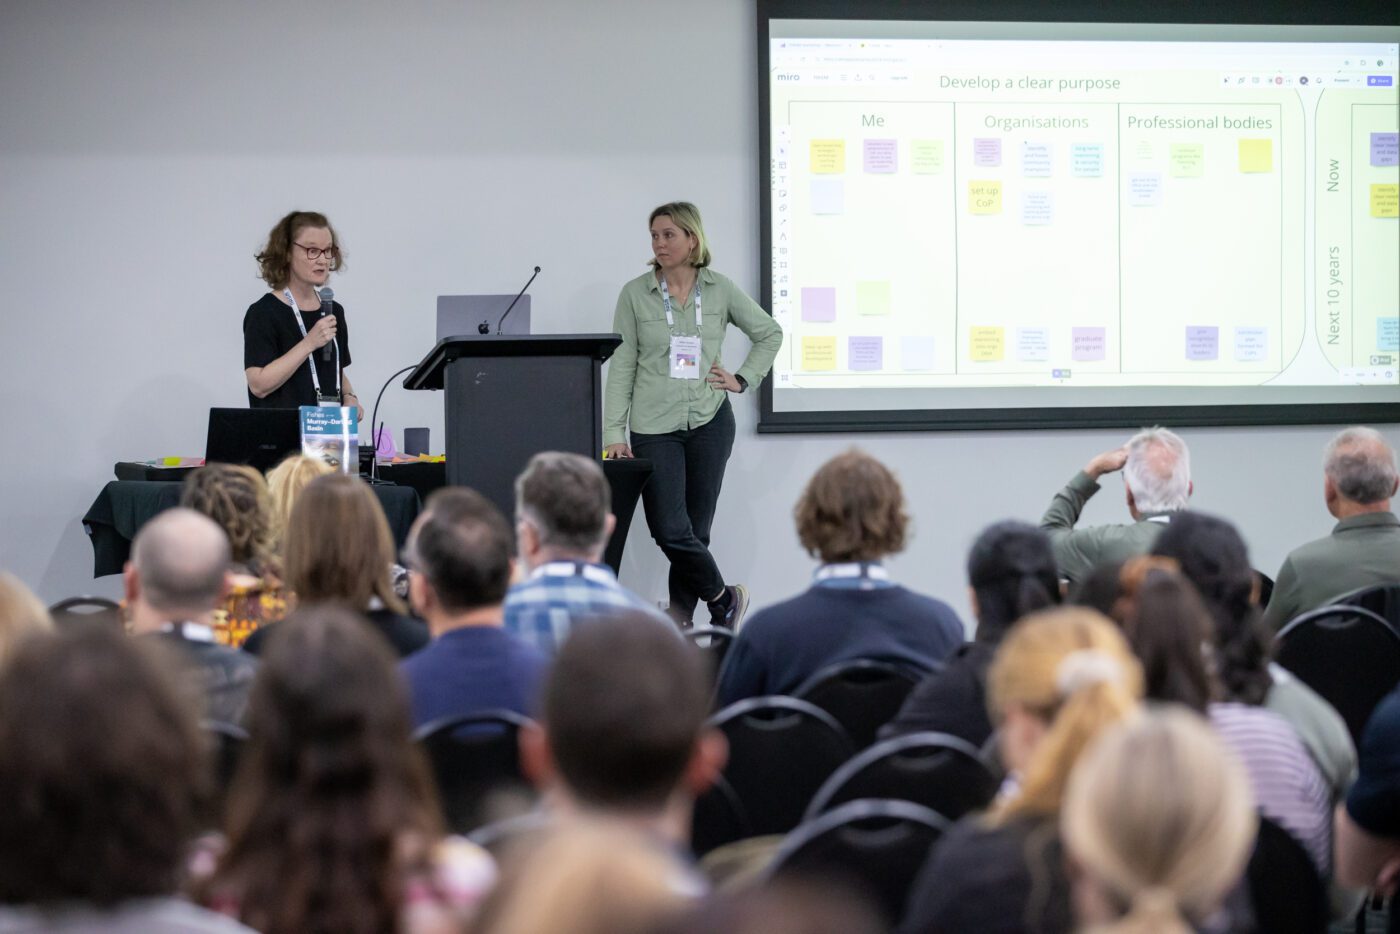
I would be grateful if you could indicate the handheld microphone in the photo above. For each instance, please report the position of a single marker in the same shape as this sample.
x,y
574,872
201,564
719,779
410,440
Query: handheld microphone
x,y
482,328
327,297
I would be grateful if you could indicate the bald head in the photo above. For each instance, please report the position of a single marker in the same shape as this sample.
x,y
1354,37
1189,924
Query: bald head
x,y
1360,467
179,559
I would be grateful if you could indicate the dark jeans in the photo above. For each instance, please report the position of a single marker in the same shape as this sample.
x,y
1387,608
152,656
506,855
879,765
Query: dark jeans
x,y
687,469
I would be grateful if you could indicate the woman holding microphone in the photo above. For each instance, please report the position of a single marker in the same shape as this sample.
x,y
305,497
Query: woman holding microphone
x,y
295,347
668,382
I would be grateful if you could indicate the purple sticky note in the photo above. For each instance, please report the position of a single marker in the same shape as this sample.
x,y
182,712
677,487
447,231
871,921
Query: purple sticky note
x,y
385,448
1385,149
1202,343
1087,344
986,151
818,303
881,156
866,353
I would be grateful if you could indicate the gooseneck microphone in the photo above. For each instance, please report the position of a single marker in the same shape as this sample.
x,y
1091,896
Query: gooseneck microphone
x,y
483,329
327,304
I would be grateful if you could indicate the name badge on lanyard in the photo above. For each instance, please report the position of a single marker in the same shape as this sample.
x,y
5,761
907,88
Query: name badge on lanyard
x,y
685,351
323,399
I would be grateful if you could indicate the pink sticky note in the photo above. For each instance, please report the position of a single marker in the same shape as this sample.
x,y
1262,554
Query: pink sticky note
x,y
818,303
865,353
1087,344
881,156
1202,343
986,151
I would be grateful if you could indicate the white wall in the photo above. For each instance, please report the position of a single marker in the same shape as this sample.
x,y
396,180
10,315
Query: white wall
x,y
146,147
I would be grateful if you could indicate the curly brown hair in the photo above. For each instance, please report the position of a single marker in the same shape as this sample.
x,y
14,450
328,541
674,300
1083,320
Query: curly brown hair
x,y
333,808
236,497
102,770
275,258
852,510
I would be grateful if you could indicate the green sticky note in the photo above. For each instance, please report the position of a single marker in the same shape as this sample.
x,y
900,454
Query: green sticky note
x,y
873,297
1188,160
926,156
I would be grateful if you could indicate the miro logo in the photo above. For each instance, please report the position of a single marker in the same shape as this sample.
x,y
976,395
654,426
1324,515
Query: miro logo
x,y
785,77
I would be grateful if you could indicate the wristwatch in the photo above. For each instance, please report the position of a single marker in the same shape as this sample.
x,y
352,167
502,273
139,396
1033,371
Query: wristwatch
x,y
743,383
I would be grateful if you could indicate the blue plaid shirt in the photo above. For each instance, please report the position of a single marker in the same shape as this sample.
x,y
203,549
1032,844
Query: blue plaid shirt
x,y
563,594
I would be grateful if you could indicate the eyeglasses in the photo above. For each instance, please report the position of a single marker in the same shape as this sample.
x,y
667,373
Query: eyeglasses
x,y
315,252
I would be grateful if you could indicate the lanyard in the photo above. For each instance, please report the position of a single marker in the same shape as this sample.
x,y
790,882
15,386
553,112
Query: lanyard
x,y
666,299
574,568
865,570
311,360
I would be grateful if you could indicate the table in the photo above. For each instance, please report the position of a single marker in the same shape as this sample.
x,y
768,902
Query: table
x,y
123,506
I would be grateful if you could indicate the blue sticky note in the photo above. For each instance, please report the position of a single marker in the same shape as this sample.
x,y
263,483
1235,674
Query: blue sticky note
x,y
1388,334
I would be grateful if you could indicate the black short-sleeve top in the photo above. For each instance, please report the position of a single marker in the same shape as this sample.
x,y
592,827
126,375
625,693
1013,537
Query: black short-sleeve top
x,y
269,331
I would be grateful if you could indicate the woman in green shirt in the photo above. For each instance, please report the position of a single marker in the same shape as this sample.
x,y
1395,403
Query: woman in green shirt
x,y
673,320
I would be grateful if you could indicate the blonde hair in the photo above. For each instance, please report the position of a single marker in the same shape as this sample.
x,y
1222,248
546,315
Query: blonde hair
x,y
21,614
686,216
1160,815
590,877
1072,668
284,482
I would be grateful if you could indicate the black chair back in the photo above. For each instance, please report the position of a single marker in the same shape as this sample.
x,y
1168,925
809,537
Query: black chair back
x,y
719,818
476,761
862,694
226,743
875,847
1347,654
1288,894
780,751
1381,599
941,772
714,641
78,611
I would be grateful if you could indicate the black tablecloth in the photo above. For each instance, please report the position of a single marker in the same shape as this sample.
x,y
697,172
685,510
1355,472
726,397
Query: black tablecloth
x,y
124,506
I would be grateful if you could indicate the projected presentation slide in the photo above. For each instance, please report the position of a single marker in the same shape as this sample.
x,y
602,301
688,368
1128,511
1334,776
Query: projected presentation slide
x,y
1200,219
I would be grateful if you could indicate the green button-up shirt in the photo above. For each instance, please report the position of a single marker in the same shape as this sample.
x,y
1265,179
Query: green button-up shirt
x,y
640,387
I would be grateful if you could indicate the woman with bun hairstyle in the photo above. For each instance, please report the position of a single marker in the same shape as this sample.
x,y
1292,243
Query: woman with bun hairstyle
x,y
1060,678
1010,572
1158,823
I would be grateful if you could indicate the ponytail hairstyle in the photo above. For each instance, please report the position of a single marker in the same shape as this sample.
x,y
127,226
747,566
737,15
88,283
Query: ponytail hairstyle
x,y
1159,816
1011,569
1212,555
1072,668
1170,630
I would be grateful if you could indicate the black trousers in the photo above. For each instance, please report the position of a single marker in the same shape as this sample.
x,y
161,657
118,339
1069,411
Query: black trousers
x,y
687,470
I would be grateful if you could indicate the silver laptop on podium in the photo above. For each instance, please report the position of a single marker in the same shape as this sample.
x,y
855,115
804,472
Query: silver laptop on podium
x,y
465,315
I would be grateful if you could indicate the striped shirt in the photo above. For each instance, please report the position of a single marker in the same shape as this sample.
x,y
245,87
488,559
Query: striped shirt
x,y
1288,788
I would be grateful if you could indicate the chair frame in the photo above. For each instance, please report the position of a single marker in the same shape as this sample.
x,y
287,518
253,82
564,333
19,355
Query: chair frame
x,y
884,749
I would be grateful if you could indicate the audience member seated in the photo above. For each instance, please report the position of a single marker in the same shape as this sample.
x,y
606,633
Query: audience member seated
x,y
851,516
332,819
622,731
1368,824
21,614
563,519
236,498
1011,572
102,767
1159,823
339,549
589,877
1294,745
1359,481
177,575
1059,679
459,552
284,483
1157,480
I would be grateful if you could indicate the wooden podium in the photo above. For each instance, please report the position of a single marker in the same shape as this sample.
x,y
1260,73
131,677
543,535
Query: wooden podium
x,y
508,397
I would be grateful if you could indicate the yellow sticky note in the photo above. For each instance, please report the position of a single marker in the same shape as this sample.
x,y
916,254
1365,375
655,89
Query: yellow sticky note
x,y
818,353
1385,200
926,156
828,156
1189,159
872,298
1256,155
987,344
984,197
